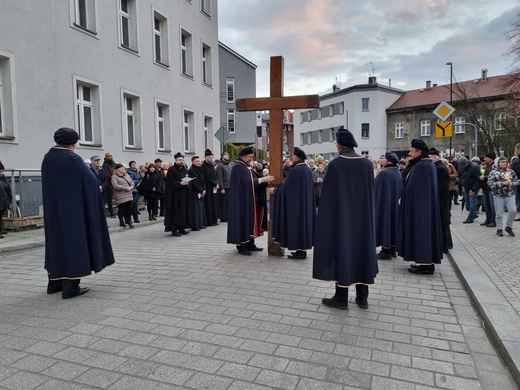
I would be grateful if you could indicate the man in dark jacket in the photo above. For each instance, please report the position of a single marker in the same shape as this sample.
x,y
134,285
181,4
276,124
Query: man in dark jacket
x,y
224,179
469,173
109,166
487,194
210,199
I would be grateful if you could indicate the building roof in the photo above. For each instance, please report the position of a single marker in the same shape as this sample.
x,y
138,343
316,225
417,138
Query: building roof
x,y
361,87
479,88
228,49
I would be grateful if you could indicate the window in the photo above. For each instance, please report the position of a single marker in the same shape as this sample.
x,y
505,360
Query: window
x,y
231,120
206,65
208,125
425,128
205,7
365,130
131,121
302,139
230,87
332,135
309,138
85,15
364,153
500,120
319,113
85,112
320,136
128,24
163,127
186,54
399,130
458,128
364,104
160,31
7,103
302,118
189,135
481,122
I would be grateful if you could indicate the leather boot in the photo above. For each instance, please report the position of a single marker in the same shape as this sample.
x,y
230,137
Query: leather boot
x,y
121,222
339,300
72,289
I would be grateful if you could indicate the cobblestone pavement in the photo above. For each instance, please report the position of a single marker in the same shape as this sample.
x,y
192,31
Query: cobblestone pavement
x,y
190,313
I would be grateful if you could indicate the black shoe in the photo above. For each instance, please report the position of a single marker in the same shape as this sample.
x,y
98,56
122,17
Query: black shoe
x,y
175,233
195,230
298,255
154,218
137,221
54,286
1,235
500,233
362,302
150,219
485,223
457,203
492,224
422,269
203,227
131,225
335,303
510,231
122,224
242,249
3,232
384,255
184,232
254,248
468,221
112,216
80,291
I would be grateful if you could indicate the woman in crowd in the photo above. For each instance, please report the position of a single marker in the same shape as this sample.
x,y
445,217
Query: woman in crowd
x,y
452,172
318,181
6,197
502,181
152,187
123,186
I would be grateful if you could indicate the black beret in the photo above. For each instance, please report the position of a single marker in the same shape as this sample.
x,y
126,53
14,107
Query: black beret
x,y
392,157
299,153
246,150
157,160
177,155
420,144
119,166
433,152
66,136
2,166
208,153
345,138
491,155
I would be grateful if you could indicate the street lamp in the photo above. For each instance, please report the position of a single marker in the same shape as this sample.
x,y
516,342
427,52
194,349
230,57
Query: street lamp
x,y
451,92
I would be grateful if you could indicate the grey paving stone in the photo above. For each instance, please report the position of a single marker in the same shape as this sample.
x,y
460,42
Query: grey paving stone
x,y
350,378
205,381
23,381
98,378
238,371
451,382
379,383
240,385
277,379
293,353
34,363
412,375
65,370
131,383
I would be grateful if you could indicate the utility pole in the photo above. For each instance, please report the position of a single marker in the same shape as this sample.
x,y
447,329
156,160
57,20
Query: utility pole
x,y
451,94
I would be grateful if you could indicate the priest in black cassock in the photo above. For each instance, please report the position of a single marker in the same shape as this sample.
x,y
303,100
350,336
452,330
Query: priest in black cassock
x,y
388,186
197,215
245,217
295,209
176,198
419,238
344,242
76,231
210,199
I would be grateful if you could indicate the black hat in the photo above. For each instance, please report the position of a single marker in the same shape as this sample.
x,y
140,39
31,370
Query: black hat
x,y
119,166
420,144
208,153
345,138
392,157
2,166
246,150
66,136
433,152
177,155
157,160
299,153
491,155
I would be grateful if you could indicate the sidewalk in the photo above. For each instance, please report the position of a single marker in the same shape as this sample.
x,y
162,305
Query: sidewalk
x,y
190,313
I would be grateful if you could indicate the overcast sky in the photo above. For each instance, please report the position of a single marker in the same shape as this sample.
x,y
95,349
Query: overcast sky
x,y
407,41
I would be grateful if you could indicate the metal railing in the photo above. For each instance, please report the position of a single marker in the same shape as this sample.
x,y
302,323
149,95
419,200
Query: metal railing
x,y
25,202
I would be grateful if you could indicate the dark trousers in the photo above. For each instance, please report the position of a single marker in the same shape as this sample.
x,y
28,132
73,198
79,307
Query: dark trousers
x,y
124,211
161,206
489,205
342,292
108,197
151,206
135,209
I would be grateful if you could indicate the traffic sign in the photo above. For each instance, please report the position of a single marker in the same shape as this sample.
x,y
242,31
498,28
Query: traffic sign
x,y
222,134
444,129
443,111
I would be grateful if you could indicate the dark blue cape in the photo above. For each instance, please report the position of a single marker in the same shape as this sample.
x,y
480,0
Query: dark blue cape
x,y
244,218
344,242
295,210
419,237
388,186
76,231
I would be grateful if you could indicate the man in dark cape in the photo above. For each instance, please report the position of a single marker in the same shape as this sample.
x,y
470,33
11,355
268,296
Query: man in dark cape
x,y
443,185
419,237
210,199
388,186
223,174
76,232
176,198
295,209
197,214
344,242
245,218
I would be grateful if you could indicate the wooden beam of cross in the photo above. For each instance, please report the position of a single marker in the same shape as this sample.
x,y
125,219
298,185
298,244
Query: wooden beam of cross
x,y
275,104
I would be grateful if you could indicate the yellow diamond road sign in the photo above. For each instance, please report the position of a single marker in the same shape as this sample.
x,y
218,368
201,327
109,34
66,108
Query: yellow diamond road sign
x,y
443,111
443,129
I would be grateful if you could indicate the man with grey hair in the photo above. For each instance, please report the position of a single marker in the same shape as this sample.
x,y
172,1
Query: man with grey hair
x,y
224,179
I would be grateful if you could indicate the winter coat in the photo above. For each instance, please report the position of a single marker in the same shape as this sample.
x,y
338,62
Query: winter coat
x,y
6,197
121,183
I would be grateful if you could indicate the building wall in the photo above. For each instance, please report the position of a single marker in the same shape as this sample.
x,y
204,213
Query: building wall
x,y
343,108
243,72
48,54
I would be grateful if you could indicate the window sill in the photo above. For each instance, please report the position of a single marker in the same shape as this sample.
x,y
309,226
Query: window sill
x,y
162,65
133,148
89,145
129,49
188,76
7,138
207,85
164,151
85,30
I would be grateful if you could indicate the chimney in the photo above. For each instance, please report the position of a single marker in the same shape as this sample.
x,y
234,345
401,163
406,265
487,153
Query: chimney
x,y
389,82
334,88
372,80
484,75
428,84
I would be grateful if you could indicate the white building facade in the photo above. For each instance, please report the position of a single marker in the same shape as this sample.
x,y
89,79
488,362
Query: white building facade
x,y
137,78
360,108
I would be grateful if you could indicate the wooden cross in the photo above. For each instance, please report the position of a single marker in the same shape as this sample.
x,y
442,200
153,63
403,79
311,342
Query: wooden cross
x,y
276,103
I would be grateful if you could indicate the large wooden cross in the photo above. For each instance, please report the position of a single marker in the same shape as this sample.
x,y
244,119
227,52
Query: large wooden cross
x,y
276,103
